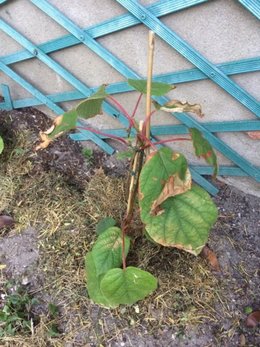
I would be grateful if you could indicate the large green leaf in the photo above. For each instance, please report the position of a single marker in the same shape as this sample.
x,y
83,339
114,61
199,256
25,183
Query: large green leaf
x,y
127,286
63,123
204,149
184,220
92,106
157,88
105,224
93,282
1,145
107,251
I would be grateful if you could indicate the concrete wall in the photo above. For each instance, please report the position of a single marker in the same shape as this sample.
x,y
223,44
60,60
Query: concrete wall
x,y
222,30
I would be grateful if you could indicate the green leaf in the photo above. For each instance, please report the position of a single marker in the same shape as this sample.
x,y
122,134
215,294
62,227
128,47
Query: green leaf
x,y
53,310
105,224
248,310
184,221
107,250
204,149
64,123
93,282
157,89
92,105
1,145
125,154
88,153
53,330
175,214
127,286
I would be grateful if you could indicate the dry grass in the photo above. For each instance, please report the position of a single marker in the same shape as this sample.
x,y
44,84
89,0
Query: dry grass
x,y
65,220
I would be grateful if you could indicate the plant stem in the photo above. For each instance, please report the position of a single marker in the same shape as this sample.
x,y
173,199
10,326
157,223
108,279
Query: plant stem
x,y
149,85
136,105
123,110
136,167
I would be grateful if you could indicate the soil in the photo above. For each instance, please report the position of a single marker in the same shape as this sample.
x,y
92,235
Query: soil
x,y
194,306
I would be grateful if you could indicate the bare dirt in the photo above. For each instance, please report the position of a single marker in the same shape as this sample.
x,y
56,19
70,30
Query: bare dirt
x,y
193,306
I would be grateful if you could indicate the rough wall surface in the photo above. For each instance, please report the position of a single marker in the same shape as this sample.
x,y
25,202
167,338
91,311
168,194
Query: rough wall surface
x,y
221,30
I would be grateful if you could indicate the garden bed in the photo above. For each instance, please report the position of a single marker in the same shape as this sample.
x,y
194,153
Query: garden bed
x,y
56,197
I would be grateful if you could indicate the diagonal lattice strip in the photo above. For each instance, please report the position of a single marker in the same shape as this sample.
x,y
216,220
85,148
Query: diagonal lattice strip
x,y
175,41
253,6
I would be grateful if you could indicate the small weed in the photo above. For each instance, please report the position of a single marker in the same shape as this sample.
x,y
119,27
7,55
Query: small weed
x,y
16,314
53,313
88,153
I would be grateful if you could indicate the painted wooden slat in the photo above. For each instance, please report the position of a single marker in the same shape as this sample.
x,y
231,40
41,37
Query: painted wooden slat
x,y
7,97
223,170
30,88
253,6
162,130
159,8
182,47
230,68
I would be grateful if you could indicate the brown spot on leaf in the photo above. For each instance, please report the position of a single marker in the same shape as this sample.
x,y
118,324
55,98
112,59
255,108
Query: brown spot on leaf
x,y
172,187
175,156
157,211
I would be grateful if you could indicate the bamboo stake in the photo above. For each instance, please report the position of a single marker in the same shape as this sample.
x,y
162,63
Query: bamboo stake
x,y
149,85
136,168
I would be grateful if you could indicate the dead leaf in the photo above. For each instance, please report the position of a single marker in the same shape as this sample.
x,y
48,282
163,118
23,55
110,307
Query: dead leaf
x,y
45,141
211,258
242,340
178,106
253,319
255,135
6,221
60,125
173,186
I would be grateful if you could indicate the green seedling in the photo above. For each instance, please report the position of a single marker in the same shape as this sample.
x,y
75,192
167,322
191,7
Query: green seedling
x,y
16,315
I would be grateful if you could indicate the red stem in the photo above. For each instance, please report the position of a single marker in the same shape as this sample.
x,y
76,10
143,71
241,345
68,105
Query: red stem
x,y
147,120
137,104
123,110
171,140
104,134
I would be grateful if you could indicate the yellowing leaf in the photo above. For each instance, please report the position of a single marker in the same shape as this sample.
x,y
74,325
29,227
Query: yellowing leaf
x,y
60,125
173,186
2,266
178,106
45,141
204,149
